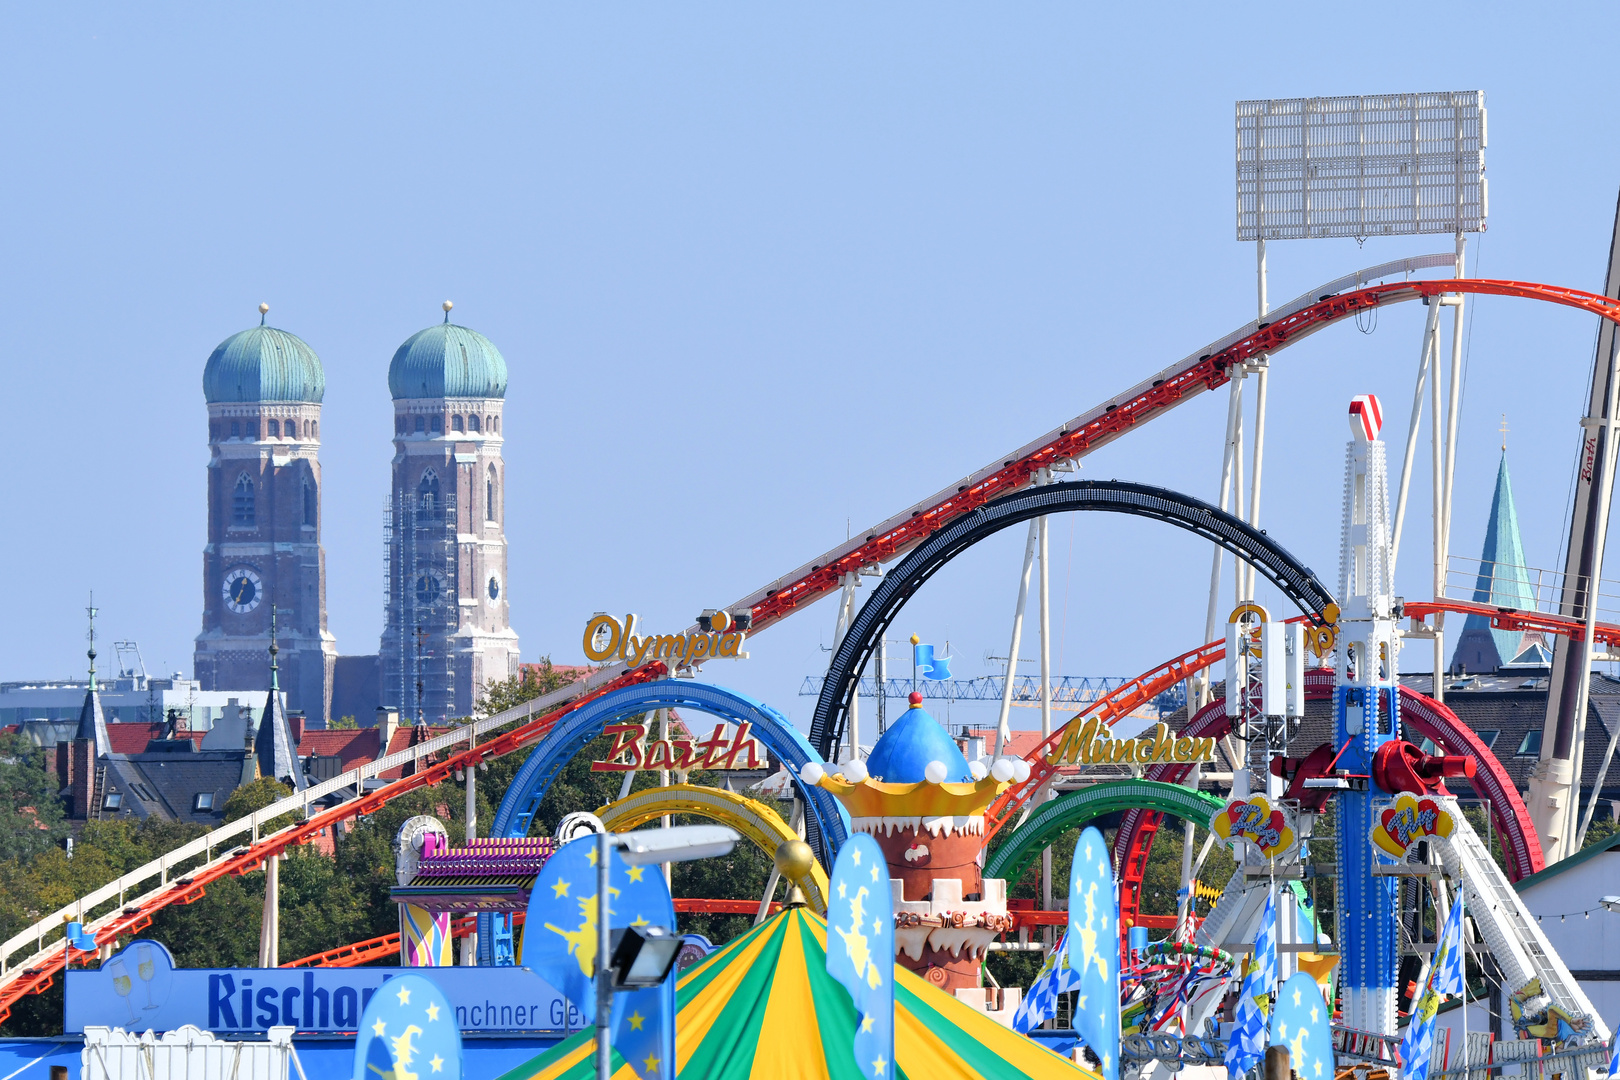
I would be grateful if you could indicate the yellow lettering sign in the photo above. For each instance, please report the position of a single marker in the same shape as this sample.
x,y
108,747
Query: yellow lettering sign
x,y
607,639
1091,742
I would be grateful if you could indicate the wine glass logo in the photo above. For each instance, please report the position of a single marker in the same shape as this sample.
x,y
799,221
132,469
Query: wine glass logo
x,y
122,985
145,968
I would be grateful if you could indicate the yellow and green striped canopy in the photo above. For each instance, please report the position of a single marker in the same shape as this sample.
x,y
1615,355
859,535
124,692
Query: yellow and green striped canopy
x,y
764,1006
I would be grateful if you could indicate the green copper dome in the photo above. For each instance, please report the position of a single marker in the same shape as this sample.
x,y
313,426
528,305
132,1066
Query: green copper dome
x,y
263,364
447,361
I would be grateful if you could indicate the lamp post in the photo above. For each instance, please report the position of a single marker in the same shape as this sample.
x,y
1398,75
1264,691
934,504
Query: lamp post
x,y
681,844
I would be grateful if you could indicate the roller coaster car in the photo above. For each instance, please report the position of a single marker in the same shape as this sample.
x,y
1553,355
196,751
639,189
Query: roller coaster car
x,y
1400,766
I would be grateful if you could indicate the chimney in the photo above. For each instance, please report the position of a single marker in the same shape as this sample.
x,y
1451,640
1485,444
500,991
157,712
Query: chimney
x,y
387,724
295,720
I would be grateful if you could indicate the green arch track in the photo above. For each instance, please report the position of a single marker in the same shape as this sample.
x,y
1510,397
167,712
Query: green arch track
x,y
1078,807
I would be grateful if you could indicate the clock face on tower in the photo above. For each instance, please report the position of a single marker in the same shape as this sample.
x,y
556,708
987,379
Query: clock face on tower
x,y
243,590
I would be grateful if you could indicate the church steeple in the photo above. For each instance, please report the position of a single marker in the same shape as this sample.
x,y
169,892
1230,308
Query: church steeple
x,y
92,721
273,744
1503,581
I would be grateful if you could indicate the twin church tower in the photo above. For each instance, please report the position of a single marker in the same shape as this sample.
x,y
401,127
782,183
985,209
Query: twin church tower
x,y
447,629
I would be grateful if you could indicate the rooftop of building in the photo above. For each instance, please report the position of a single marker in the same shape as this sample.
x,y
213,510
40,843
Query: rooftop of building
x,y
447,361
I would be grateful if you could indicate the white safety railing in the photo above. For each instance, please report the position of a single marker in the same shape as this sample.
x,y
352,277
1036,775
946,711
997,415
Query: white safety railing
x,y
43,935
186,1053
1521,588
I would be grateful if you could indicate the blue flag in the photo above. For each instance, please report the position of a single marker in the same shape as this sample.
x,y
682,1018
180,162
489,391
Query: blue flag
x,y
1614,1058
1248,1041
931,666
407,1029
860,949
1094,926
1445,977
1300,1021
560,943
1055,977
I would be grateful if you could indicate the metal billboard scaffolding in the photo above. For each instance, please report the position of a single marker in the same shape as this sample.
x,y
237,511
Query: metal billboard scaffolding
x,y
1374,165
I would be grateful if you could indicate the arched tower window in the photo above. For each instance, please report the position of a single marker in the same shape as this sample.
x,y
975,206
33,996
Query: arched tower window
x,y
472,423
309,504
242,502
489,495
421,425
438,423
427,492
456,424
275,429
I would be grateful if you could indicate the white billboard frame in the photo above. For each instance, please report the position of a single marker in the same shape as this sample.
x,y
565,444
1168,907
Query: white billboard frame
x,y
1361,166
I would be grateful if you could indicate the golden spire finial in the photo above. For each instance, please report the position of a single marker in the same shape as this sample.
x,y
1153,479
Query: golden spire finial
x,y
1504,430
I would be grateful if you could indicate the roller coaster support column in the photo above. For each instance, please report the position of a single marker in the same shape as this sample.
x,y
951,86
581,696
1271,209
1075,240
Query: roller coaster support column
x,y
1233,448
1426,353
469,943
1003,731
1365,717
1046,693
270,922
1263,363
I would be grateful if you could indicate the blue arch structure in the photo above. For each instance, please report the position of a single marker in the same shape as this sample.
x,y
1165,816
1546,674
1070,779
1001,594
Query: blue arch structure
x,y
570,736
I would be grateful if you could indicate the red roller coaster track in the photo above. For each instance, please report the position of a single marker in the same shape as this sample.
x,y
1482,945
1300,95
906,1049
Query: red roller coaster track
x,y
1148,400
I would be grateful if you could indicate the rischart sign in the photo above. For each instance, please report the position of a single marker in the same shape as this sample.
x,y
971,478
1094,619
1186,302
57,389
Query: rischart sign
x,y
140,989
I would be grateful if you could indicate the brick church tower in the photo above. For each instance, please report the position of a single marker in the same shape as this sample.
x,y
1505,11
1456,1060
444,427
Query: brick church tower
x,y
264,388
447,633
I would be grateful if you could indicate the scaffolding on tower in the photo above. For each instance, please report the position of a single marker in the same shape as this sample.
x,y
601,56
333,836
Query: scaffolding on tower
x,y
423,613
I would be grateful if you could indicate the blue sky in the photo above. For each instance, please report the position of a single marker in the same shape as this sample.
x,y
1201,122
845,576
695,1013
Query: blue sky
x,y
761,274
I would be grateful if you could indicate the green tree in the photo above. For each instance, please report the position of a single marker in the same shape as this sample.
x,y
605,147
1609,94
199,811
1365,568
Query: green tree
x,y
342,723
33,820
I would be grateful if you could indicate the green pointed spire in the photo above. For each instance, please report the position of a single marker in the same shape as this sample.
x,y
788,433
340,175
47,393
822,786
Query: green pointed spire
x,y
1503,581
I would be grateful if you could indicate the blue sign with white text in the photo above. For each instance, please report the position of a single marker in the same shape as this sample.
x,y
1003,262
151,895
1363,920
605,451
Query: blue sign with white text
x,y
140,988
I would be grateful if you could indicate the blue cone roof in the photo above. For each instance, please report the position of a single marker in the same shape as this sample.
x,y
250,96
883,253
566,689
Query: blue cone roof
x,y
904,751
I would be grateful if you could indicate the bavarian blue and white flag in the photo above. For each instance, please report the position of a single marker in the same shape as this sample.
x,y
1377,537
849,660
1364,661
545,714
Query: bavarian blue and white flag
x,y
1445,977
1094,926
1614,1058
860,949
931,666
1248,1041
407,1029
1055,977
560,943
1300,1021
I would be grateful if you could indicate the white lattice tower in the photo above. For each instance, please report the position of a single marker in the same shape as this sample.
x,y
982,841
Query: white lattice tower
x,y
1364,578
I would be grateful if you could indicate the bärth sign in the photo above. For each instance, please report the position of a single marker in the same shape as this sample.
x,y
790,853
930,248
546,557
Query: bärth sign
x,y
1091,742
632,750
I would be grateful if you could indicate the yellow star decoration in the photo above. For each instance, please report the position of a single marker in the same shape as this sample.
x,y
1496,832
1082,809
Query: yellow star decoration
x,y
378,1028
1296,995
636,872
855,856
404,995
437,1062
559,889
650,1065
866,1023
1318,1068
1282,1029
879,1066
636,1020
874,873
840,890
1316,1014
639,921
433,1010
590,855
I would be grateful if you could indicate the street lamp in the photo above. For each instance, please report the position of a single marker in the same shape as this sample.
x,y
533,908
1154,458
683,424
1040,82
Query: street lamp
x,y
639,954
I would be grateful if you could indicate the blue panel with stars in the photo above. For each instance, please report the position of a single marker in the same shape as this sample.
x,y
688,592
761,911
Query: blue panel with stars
x,y
560,943
408,1032
1093,947
860,948
1299,1021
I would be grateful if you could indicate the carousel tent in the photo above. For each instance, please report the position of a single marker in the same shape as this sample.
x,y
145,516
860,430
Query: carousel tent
x,y
765,1006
